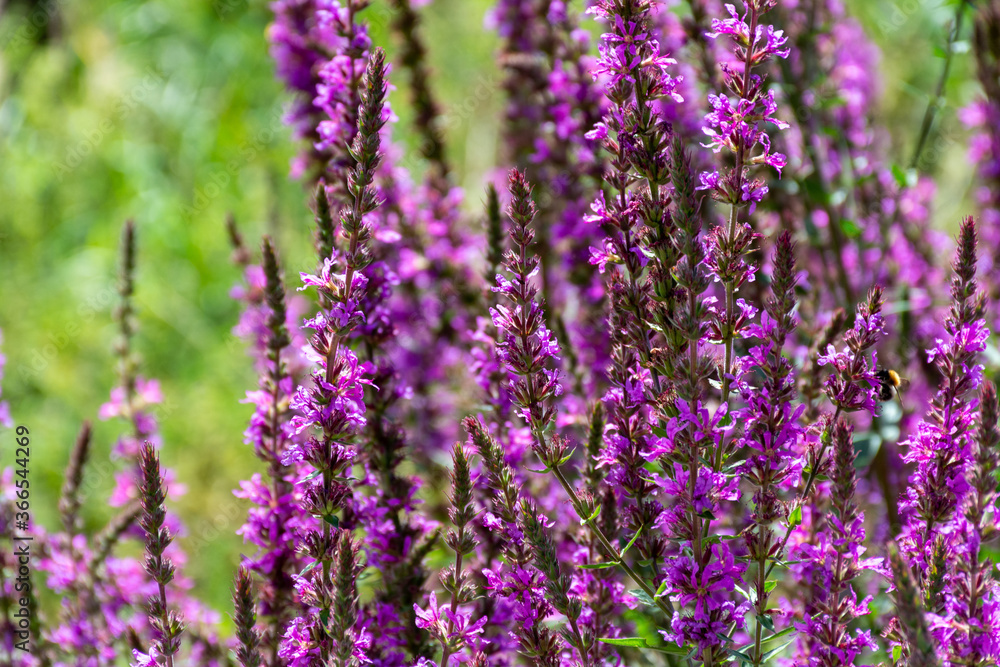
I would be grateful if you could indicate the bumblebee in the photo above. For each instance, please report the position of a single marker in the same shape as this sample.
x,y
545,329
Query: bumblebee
x,y
889,384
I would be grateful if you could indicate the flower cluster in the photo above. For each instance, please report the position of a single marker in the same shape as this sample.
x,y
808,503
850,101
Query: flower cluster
x,y
854,384
526,346
949,504
835,560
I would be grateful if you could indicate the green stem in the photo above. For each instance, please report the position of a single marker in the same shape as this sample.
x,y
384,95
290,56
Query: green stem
x,y
936,101
813,474
733,219
618,558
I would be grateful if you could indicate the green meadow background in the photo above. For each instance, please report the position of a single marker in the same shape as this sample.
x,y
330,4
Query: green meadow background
x,y
169,113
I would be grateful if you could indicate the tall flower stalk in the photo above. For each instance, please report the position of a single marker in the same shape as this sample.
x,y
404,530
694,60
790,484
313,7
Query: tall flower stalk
x,y
735,126
974,599
451,626
633,213
513,583
528,349
274,516
941,449
836,561
772,429
951,494
334,408
248,654
167,625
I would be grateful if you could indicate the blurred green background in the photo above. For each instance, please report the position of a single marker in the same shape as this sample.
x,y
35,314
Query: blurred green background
x,y
169,113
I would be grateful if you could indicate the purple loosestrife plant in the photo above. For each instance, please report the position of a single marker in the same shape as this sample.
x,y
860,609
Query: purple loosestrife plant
x,y
321,50
951,493
167,625
835,557
528,350
649,234
513,584
552,103
852,387
248,654
133,399
334,407
638,140
971,623
527,347
772,429
941,449
735,125
413,57
107,591
453,627
274,516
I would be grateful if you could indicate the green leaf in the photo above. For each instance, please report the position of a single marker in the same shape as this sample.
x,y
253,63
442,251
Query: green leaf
x,y
850,228
707,514
897,653
775,651
642,642
671,649
567,457
631,542
636,642
766,621
739,655
598,566
584,522
900,175
770,585
778,635
332,520
795,518
643,597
